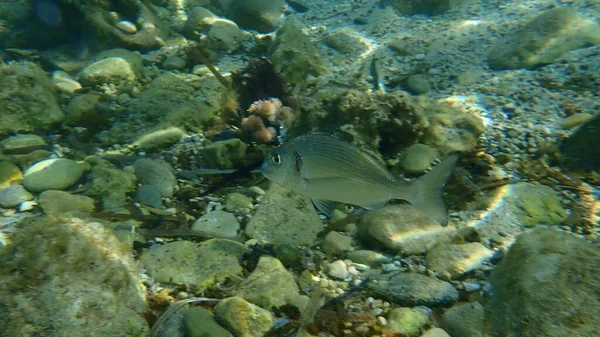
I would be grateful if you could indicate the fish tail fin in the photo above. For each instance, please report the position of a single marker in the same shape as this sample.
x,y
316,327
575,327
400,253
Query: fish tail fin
x,y
428,190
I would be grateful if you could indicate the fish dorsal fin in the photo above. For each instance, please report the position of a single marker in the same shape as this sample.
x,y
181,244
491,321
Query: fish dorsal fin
x,y
324,206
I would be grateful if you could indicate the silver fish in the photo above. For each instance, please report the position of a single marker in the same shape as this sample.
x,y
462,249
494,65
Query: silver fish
x,y
328,169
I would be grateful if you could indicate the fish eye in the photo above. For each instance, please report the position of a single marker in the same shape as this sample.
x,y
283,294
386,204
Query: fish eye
x,y
276,159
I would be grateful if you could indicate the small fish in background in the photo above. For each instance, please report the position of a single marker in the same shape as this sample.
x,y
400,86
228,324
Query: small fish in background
x,y
328,169
48,12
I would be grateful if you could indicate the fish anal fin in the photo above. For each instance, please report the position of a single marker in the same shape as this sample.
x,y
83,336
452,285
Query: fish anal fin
x,y
324,206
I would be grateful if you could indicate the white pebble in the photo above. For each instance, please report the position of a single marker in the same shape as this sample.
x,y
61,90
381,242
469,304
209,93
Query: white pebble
x,y
27,206
337,269
381,320
127,26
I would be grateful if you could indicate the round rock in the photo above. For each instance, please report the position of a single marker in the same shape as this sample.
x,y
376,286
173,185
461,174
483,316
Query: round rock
x,y
154,172
417,158
53,174
218,222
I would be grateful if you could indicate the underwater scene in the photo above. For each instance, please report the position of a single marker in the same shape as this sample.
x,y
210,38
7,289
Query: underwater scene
x,y
248,168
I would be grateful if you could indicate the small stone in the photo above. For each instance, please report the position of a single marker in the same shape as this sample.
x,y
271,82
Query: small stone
x,y
219,223
148,195
338,270
64,82
158,139
127,26
173,63
27,206
53,174
61,202
22,144
242,318
335,243
237,201
14,195
257,191
574,120
110,70
368,257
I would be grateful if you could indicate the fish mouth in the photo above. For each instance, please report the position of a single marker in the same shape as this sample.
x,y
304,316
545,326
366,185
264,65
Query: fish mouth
x,y
264,169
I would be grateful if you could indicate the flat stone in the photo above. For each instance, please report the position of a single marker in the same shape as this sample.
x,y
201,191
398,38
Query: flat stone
x,y
53,174
61,202
22,144
403,228
412,289
458,259
218,222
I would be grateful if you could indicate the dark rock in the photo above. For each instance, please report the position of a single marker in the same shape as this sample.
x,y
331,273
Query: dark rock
x,y
577,150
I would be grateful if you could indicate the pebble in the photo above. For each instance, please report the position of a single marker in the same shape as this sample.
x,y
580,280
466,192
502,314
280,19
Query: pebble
x,y
61,202
257,191
338,270
13,196
127,26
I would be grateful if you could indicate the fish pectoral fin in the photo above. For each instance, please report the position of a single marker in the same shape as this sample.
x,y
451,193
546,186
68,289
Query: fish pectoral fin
x,y
324,206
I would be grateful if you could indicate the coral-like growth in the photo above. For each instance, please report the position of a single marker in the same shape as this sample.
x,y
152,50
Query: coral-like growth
x,y
266,116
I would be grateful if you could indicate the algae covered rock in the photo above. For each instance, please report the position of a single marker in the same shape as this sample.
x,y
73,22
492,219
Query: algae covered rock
x,y
88,276
545,38
224,154
294,54
537,204
546,285
61,202
269,285
417,158
284,217
407,321
27,100
193,265
452,129
109,185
